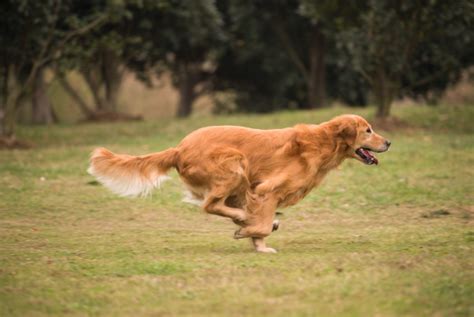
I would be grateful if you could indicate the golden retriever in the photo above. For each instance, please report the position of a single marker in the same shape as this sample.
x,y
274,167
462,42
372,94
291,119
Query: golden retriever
x,y
245,174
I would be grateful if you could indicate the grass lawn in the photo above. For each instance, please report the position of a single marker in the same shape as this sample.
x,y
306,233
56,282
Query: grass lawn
x,y
387,240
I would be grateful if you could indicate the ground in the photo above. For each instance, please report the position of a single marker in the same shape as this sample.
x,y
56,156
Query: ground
x,y
393,239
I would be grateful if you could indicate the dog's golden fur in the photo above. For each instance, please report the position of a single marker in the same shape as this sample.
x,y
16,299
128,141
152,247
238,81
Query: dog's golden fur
x,y
242,173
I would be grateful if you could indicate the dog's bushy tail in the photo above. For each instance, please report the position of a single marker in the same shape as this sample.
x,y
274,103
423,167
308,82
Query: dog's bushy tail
x,y
128,175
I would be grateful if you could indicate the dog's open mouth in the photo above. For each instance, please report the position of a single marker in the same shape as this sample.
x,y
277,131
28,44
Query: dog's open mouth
x,y
367,156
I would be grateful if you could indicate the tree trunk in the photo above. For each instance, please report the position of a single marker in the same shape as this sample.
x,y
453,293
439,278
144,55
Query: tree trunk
x,y
384,93
188,79
8,113
112,74
316,81
383,108
42,111
186,98
104,77
4,98
92,78
3,120
13,94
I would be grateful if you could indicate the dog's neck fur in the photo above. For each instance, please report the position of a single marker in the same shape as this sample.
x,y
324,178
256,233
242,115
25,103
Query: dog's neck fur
x,y
316,139
322,150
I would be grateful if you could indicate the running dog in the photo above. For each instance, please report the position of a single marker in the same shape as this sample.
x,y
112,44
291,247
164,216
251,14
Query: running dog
x,y
245,174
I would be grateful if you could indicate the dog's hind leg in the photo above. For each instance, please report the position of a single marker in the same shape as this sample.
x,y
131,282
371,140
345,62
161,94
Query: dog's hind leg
x,y
229,186
221,176
215,204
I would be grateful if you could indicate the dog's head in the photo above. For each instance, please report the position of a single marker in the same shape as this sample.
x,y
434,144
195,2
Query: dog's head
x,y
359,137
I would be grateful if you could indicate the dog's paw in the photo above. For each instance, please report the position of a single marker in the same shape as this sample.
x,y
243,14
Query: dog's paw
x,y
266,250
276,225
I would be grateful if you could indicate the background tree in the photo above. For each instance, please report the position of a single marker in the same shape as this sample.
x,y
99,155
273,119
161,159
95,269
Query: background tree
x,y
445,53
289,48
329,18
33,36
181,37
304,42
272,54
98,57
276,55
404,48
263,79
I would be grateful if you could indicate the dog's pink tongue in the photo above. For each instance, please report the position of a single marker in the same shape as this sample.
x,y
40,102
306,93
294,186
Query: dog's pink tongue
x,y
371,157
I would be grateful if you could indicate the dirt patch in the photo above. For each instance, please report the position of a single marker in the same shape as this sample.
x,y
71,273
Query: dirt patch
x,y
461,212
391,124
106,116
12,143
436,213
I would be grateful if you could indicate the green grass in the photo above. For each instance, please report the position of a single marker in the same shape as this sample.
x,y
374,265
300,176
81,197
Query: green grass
x,y
396,239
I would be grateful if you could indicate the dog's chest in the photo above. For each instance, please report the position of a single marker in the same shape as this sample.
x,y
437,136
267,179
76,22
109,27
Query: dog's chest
x,y
297,190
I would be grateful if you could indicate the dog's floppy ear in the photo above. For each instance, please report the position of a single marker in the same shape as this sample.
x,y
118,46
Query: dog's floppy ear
x,y
346,129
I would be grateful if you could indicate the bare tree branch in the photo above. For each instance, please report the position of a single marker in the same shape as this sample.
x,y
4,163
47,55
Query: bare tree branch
x,y
44,49
73,93
428,79
44,57
289,47
366,76
77,32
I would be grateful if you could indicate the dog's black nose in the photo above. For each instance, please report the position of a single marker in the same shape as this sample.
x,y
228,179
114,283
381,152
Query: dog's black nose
x,y
387,143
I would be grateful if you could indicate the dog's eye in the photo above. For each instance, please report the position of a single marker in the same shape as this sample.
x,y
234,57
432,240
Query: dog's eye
x,y
368,130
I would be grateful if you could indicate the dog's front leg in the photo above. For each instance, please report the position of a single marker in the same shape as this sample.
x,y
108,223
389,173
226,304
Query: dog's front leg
x,y
260,246
260,222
